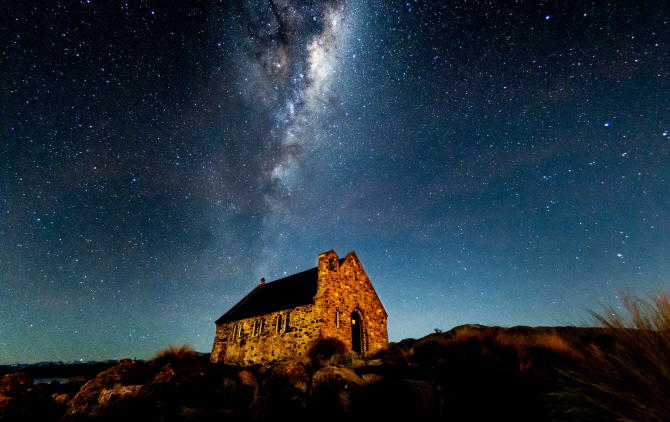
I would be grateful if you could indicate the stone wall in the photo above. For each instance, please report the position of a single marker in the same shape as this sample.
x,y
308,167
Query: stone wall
x,y
345,289
250,345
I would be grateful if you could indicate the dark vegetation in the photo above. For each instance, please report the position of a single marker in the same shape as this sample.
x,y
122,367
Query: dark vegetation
x,y
619,371
630,379
182,354
326,347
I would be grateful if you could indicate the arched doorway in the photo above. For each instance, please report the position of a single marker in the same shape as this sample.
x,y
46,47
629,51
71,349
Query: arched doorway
x,y
356,332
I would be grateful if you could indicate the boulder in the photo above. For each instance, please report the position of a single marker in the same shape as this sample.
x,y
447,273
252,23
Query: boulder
x,y
188,390
350,359
108,393
403,398
372,378
20,400
176,386
334,389
418,395
12,385
248,377
281,392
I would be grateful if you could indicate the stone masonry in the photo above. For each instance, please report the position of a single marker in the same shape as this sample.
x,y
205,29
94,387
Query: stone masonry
x,y
280,319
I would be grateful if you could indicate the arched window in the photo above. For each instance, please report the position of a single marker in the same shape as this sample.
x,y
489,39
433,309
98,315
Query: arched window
x,y
253,328
278,327
240,330
287,322
261,326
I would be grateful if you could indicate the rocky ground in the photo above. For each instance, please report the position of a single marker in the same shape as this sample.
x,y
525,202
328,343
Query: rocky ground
x,y
469,374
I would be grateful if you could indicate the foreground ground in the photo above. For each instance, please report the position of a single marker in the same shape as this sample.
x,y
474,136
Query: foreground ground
x,y
469,373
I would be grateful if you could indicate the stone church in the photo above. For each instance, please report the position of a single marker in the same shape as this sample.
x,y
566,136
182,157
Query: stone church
x,y
280,319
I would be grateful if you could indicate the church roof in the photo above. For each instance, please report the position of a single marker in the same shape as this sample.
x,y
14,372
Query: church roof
x,y
285,293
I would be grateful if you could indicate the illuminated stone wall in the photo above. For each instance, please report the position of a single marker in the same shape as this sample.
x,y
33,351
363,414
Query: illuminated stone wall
x,y
344,289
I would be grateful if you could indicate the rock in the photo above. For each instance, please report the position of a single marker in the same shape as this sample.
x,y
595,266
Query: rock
x,y
302,360
281,392
189,414
372,378
109,392
247,377
175,386
285,374
333,388
12,385
403,398
188,391
61,398
118,393
230,387
350,359
20,400
419,395
249,385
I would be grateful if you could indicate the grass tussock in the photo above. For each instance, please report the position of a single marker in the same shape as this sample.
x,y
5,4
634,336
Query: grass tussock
x,y
326,347
393,353
174,354
631,380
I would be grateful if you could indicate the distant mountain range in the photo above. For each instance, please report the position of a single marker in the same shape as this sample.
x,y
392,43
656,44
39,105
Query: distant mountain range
x,y
59,369
62,369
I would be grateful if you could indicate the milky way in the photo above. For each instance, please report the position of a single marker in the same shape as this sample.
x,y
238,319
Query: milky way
x,y
492,164
294,51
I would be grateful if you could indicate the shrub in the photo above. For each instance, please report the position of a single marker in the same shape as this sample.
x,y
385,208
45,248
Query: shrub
x,y
632,380
175,354
326,347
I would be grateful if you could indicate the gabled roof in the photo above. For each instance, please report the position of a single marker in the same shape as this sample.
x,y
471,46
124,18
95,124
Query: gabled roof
x,y
285,293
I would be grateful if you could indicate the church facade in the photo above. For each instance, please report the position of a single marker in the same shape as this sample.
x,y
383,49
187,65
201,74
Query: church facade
x,y
280,319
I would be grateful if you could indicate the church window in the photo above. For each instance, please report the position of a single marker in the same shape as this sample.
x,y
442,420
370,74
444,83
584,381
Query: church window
x,y
278,327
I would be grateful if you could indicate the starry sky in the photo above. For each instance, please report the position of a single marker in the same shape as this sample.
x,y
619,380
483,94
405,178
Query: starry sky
x,y
500,163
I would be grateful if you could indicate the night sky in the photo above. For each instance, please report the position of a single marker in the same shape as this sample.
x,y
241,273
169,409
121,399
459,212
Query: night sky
x,y
500,163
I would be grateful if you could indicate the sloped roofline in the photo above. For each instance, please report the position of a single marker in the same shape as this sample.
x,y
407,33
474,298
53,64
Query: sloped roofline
x,y
238,304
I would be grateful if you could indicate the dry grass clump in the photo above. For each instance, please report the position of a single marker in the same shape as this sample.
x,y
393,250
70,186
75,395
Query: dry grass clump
x,y
326,347
557,345
174,354
630,382
393,353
